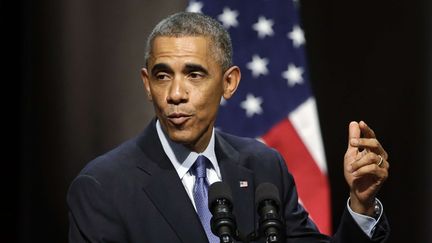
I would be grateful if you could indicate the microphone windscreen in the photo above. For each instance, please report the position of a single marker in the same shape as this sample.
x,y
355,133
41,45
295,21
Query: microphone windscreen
x,y
219,190
267,191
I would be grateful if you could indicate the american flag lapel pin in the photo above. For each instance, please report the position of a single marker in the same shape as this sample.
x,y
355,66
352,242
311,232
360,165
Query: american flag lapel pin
x,y
243,184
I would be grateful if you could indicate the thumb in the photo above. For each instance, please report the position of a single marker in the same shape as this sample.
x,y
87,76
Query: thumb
x,y
353,133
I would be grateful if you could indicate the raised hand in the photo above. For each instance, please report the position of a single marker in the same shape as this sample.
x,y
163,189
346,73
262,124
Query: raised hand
x,y
365,167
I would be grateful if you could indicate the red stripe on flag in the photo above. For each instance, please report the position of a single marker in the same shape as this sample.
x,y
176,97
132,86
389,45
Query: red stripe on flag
x,y
312,184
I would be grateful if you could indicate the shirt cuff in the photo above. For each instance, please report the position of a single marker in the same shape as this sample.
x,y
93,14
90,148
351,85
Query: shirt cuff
x,y
366,223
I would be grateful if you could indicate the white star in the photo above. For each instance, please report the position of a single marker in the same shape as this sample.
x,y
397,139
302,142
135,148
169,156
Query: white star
x,y
263,27
293,74
194,7
228,18
252,105
297,36
258,66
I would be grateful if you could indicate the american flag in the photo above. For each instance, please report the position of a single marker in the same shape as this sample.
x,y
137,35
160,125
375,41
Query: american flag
x,y
274,102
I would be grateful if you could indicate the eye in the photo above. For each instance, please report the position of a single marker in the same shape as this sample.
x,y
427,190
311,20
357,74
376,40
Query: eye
x,y
162,76
196,75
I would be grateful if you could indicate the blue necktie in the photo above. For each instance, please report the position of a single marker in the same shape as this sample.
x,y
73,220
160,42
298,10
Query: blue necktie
x,y
200,196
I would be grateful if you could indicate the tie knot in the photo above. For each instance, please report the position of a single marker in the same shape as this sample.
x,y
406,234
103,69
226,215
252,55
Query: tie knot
x,y
199,167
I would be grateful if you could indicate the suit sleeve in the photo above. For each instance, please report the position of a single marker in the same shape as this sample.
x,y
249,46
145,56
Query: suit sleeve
x,y
92,215
301,229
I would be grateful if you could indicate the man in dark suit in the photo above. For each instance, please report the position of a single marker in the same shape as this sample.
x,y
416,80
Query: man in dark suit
x,y
145,190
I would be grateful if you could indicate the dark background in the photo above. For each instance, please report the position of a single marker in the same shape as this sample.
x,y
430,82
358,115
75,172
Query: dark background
x,y
75,66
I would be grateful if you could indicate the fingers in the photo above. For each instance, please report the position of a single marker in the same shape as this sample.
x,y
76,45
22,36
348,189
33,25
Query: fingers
x,y
366,130
368,164
368,141
372,169
371,144
361,136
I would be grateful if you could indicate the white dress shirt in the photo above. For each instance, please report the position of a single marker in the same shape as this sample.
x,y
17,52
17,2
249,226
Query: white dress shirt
x,y
182,159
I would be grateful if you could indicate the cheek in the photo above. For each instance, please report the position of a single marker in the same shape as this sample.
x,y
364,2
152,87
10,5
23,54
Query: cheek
x,y
209,103
158,104
158,96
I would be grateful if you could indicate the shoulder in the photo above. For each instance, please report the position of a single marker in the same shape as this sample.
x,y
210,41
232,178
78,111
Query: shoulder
x,y
245,144
114,163
250,147
266,163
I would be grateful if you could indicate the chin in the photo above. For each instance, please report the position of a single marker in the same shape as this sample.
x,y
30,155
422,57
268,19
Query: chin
x,y
182,137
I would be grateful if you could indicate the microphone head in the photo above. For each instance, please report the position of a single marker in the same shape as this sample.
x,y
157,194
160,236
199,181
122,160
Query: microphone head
x,y
267,191
219,190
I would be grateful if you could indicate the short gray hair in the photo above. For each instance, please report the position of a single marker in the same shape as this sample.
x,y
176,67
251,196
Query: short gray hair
x,y
194,24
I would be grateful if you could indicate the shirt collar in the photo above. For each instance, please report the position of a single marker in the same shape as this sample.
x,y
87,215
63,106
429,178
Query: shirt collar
x,y
183,158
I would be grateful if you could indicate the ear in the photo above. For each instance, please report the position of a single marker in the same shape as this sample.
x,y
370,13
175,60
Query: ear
x,y
145,79
231,80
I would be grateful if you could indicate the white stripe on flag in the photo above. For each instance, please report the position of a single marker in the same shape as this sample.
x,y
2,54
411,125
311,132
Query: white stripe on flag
x,y
305,120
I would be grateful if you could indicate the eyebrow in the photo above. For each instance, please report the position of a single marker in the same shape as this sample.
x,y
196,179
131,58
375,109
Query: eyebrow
x,y
191,67
161,67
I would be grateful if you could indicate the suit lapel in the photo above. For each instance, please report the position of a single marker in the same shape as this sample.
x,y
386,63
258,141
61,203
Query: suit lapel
x,y
169,196
234,173
166,191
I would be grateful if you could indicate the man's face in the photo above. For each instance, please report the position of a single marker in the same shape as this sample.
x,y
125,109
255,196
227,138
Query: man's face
x,y
185,84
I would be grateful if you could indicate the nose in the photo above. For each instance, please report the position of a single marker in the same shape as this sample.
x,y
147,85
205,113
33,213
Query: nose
x,y
177,92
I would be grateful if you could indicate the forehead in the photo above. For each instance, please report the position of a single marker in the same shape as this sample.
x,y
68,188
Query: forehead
x,y
187,46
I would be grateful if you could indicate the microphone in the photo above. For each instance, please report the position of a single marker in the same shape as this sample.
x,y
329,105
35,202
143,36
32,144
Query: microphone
x,y
223,223
268,205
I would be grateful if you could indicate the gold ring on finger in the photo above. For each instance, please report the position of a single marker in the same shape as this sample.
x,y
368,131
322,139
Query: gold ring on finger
x,y
380,163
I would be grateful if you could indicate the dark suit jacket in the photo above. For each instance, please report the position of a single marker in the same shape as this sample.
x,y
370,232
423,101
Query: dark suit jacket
x,y
133,194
